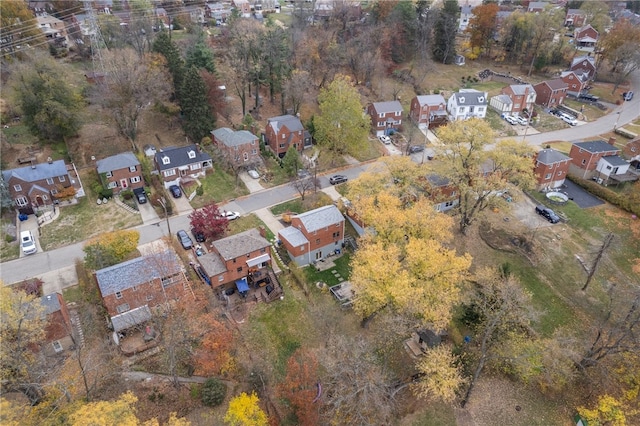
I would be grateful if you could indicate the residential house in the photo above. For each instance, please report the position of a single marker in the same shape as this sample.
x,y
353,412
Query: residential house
x,y
550,169
466,13
537,6
386,117
421,341
243,7
37,185
238,147
632,149
551,93
428,111
175,164
522,96
576,83
234,259
574,18
196,14
501,17
59,331
54,29
285,131
613,169
162,18
217,11
585,38
325,9
585,66
120,172
501,103
130,289
314,235
585,157
467,103
442,192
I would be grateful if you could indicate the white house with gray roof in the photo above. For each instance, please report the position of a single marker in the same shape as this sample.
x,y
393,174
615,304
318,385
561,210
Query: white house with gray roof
x,y
175,164
466,104
238,147
314,235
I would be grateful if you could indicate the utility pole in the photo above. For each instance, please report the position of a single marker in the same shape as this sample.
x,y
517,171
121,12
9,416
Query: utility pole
x,y
592,271
163,203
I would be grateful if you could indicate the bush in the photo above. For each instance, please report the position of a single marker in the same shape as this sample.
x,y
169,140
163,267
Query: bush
x,y
213,392
200,190
623,201
127,195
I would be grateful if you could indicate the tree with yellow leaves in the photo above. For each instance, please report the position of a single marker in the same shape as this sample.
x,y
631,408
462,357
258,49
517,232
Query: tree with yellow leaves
x,y
441,375
609,411
245,411
110,248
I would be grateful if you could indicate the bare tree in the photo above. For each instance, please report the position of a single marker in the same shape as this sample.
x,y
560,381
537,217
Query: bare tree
x,y
594,267
296,89
304,185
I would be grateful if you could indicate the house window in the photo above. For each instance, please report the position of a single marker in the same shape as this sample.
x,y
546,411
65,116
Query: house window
x,y
50,181
281,145
109,174
132,168
62,178
608,167
191,154
166,160
254,151
149,297
423,117
560,173
118,295
381,115
17,188
171,172
283,136
123,308
380,123
112,185
235,148
263,250
221,278
448,204
239,269
195,166
301,249
234,261
253,142
317,241
584,162
461,109
336,234
44,198
135,179
245,156
57,346
54,191
548,176
397,113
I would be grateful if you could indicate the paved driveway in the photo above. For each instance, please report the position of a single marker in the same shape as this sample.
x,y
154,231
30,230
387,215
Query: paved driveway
x,y
182,203
582,198
148,213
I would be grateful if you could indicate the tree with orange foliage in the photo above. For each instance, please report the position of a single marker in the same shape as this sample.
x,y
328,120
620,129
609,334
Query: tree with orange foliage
x,y
213,356
300,386
482,26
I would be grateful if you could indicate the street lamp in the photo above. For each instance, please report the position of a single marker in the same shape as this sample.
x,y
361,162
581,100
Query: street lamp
x,y
163,203
615,126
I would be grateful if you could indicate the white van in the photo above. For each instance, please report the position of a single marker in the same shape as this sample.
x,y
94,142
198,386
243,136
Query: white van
x,y
569,119
27,242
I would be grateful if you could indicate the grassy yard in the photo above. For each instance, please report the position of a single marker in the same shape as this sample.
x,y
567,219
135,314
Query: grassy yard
x,y
248,222
219,187
561,146
19,134
327,277
591,112
491,87
548,123
311,201
9,246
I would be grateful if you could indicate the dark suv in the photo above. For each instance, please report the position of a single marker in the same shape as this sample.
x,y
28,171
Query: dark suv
x,y
140,195
548,214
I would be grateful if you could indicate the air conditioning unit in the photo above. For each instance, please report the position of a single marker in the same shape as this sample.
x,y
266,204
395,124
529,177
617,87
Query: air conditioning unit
x,y
599,180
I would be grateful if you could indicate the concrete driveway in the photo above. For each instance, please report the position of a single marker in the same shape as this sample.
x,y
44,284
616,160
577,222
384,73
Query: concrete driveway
x,y
182,204
582,198
148,213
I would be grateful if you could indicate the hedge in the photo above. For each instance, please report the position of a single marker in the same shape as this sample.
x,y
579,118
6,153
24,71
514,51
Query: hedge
x,y
620,200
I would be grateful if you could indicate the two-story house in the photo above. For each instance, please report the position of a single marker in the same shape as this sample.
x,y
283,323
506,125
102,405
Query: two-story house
x,y
521,97
537,6
314,235
584,66
120,172
130,289
550,169
38,184
576,83
238,147
442,192
551,93
466,13
174,164
234,259
586,155
574,18
585,38
243,7
385,117
59,332
467,103
285,131
428,111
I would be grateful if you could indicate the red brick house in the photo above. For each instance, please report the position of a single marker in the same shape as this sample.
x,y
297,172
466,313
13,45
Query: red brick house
x,y
385,116
285,131
585,157
130,289
442,193
38,185
234,259
428,111
576,83
239,148
59,330
174,164
523,96
120,172
551,93
314,235
632,149
586,37
574,18
550,169
584,66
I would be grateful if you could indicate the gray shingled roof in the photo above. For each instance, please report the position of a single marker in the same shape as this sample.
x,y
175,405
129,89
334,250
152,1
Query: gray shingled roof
x,y
116,162
137,271
212,264
505,99
551,156
596,146
292,234
431,100
131,318
556,84
41,171
180,157
579,59
240,244
51,303
389,106
230,138
614,160
521,89
538,4
292,123
470,97
437,180
320,218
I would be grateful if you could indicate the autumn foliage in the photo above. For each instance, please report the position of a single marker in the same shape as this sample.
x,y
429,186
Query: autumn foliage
x,y
208,221
300,386
245,411
110,248
213,356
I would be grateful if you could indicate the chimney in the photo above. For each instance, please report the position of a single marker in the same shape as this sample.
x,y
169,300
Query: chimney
x,y
49,160
612,141
263,232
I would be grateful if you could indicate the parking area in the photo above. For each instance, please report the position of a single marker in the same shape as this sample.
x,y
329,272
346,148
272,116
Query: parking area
x,y
582,198
182,203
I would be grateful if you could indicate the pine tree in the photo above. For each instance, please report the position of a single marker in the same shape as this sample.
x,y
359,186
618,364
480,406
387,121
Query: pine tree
x,y
198,119
167,48
444,46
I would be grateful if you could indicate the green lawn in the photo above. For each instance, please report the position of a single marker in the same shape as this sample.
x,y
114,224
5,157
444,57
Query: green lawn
x,y
327,277
311,201
248,222
219,187
491,87
9,247
19,134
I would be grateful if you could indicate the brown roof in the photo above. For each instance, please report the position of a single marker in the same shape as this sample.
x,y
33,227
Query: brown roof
x,y
556,84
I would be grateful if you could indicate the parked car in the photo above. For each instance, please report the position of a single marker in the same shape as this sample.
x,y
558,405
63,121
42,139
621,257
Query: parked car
x,y
522,120
548,214
230,215
27,242
140,194
511,119
198,235
589,98
385,139
336,179
175,191
416,148
184,239
627,96
569,119
254,174
555,112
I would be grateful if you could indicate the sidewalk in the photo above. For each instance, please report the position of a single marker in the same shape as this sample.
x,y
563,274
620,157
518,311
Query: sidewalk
x,y
269,219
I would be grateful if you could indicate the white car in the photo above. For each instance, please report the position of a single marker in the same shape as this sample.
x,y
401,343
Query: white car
x,y
254,174
511,119
27,242
230,215
522,120
385,139
569,119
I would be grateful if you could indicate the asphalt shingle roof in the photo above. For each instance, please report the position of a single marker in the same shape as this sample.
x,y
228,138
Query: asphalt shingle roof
x,y
51,303
470,97
212,264
505,99
117,162
137,271
320,218
614,160
556,84
388,106
292,123
41,171
295,237
180,157
240,244
521,89
580,59
230,138
596,146
431,100
551,156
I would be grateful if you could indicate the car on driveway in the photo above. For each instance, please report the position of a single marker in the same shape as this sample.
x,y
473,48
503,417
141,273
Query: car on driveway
x,y
254,174
198,235
336,179
569,120
522,120
385,139
627,96
511,119
175,191
556,112
184,239
230,215
27,242
416,148
548,214
140,194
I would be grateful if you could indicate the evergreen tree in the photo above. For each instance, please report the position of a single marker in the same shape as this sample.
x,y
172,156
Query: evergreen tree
x,y
291,162
201,56
444,46
198,119
167,48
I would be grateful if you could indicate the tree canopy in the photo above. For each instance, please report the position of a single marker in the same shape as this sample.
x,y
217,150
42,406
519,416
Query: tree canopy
x,y
245,411
110,248
209,221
